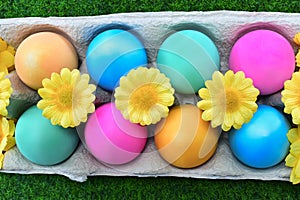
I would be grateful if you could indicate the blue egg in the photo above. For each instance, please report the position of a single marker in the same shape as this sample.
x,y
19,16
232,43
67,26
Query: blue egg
x,y
262,142
112,54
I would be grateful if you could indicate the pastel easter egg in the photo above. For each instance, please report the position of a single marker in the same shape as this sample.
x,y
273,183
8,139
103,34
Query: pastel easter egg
x,y
183,139
112,139
112,54
41,54
262,142
266,57
41,142
188,58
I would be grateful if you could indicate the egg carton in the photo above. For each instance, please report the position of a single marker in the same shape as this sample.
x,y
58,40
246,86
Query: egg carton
x,y
223,27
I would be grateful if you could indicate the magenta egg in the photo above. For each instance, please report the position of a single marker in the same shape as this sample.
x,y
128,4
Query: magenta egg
x,y
266,57
112,139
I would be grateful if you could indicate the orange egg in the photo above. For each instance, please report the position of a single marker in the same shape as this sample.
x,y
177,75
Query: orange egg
x,y
42,53
183,139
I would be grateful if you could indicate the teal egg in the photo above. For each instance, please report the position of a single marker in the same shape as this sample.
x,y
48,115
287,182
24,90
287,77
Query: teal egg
x,y
188,58
41,142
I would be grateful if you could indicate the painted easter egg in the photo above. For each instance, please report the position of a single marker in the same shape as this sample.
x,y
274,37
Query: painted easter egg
x,y
188,58
266,57
112,139
41,142
112,54
41,54
262,142
183,139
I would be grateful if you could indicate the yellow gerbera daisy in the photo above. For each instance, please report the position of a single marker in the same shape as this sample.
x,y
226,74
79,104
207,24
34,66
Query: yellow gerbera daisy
x,y
297,39
7,139
67,98
228,100
5,92
292,160
7,57
291,97
144,96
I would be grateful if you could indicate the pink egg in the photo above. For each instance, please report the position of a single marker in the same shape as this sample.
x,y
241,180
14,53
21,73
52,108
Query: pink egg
x,y
112,139
264,56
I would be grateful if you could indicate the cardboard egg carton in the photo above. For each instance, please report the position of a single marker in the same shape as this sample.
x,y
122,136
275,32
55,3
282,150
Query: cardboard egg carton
x,y
223,27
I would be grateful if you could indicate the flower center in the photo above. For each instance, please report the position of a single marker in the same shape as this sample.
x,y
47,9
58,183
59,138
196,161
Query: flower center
x,y
144,97
232,100
65,96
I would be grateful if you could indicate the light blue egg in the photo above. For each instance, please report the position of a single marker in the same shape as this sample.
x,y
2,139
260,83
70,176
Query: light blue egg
x,y
262,142
41,142
112,54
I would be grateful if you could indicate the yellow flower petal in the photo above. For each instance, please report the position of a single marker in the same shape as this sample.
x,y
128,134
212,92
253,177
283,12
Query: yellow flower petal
x,y
11,50
204,94
297,170
204,105
5,93
291,97
11,142
298,59
293,178
297,39
293,135
67,98
295,148
6,131
1,160
144,95
3,68
3,45
291,161
296,115
7,58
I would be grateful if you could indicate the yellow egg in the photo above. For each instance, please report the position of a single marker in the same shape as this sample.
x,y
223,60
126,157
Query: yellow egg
x,y
183,139
42,53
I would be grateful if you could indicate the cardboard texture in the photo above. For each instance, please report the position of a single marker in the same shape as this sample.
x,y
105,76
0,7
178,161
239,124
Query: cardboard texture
x,y
224,27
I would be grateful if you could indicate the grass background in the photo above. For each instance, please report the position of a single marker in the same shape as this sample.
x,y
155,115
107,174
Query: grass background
x,y
14,186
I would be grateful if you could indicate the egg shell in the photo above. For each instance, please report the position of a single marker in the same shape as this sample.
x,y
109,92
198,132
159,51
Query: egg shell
x,y
112,139
188,58
112,54
183,139
266,57
41,54
262,142
41,142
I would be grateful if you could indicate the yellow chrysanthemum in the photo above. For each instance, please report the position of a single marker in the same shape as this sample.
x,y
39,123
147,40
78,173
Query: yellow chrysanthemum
x,y
67,98
228,100
298,58
5,92
7,139
292,160
291,97
7,57
297,39
144,96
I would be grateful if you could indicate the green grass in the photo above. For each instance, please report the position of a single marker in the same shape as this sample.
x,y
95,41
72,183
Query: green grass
x,y
14,186
58,187
25,8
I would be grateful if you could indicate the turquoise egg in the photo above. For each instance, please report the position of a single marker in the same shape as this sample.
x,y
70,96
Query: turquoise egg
x,y
262,142
41,142
112,54
188,58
